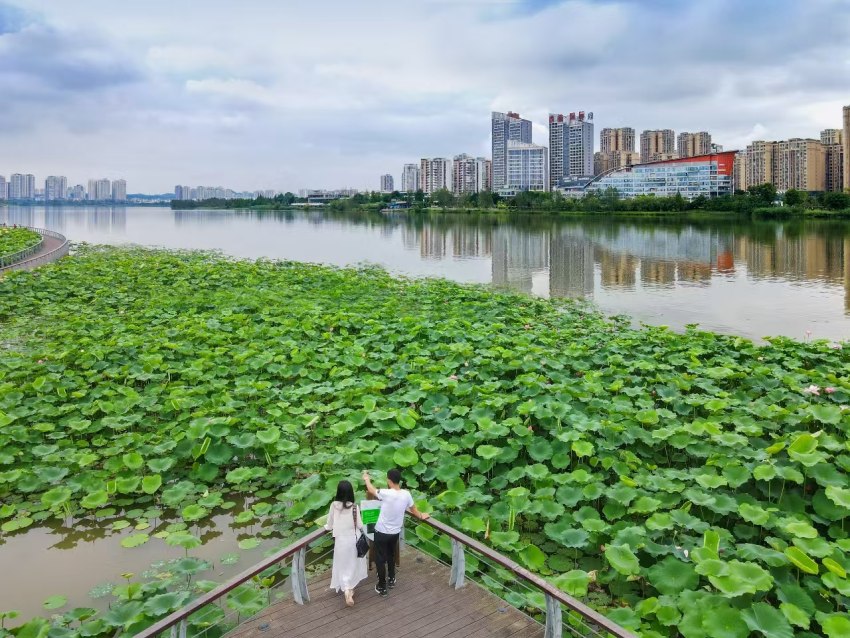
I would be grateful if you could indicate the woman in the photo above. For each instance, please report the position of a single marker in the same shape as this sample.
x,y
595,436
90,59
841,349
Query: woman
x,y
345,523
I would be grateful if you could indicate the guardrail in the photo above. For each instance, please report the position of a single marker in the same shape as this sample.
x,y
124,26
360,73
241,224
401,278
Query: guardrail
x,y
583,621
19,261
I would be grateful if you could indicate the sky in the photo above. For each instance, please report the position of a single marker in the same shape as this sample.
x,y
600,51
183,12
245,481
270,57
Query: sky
x,y
263,94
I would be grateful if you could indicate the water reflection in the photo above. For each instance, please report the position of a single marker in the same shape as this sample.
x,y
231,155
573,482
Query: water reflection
x,y
742,277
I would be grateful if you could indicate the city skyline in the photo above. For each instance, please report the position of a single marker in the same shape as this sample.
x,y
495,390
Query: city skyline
x,y
323,106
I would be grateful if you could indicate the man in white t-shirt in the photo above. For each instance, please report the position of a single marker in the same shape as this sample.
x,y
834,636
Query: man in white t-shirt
x,y
394,503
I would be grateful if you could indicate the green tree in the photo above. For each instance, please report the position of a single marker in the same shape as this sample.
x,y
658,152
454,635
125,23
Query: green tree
x,y
442,198
793,197
486,199
765,194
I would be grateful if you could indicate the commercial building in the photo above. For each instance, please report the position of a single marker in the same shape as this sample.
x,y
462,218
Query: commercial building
x,y
693,144
22,186
505,127
470,174
846,140
833,145
410,178
526,168
387,184
706,175
119,190
657,145
55,188
432,174
570,147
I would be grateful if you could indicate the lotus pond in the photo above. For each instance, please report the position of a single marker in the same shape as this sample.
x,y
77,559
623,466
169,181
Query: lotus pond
x,y
14,240
688,484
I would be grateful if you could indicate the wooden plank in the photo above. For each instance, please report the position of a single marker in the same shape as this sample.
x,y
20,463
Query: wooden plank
x,y
422,604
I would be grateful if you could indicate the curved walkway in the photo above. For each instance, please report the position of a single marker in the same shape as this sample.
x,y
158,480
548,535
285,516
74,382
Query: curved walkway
x,y
52,248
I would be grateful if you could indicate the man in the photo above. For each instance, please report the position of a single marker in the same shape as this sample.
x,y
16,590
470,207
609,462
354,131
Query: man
x,y
394,502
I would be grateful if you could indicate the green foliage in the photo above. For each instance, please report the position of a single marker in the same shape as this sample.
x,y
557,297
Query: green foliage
x,y
14,240
689,473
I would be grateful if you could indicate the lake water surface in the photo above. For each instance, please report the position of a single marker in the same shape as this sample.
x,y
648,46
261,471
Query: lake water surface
x,y
753,279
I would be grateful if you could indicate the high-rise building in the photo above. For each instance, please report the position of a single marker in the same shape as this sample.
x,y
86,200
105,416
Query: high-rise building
x,y
606,161
432,174
99,190
617,139
846,182
55,188
693,144
527,167
4,189
833,144
387,185
410,178
119,190
759,163
797,163
657,145
182,192
484,168
739,172
77,193
505,127
570,147
470,174
22,186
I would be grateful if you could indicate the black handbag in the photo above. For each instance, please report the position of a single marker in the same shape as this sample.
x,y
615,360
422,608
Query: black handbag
x,y
362,543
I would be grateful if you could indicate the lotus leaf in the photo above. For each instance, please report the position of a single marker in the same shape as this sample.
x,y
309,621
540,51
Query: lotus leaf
x,y
150,484
405,457
801,560
768,621
55,602
671,576
135,540
622,559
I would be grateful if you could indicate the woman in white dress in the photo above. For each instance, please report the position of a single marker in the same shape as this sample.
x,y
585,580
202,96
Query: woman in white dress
x,y
345,523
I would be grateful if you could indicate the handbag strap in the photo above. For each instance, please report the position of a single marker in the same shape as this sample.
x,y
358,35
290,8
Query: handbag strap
x,y
354,518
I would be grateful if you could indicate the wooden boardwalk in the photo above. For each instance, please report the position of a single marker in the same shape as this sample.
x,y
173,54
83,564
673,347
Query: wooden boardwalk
x,y
421,604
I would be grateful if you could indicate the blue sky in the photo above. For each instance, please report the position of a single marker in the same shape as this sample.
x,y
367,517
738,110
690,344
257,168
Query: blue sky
x,y
262,94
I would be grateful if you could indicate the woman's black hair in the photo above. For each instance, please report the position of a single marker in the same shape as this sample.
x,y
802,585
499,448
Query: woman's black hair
x,y
345,494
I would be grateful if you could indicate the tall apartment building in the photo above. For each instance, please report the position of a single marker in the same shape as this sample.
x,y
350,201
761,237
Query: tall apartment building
x,y
119,190
99,190
797,163
432,174
470,174
55,188
77,193
505,127
739,171
410,178
4,189
833,144
22,186
617,139
694,144
387,184
606,161
527,167
846,136
182,192
657,145
570,147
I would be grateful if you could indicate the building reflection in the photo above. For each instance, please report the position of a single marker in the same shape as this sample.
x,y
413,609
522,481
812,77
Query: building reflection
x,y
517,256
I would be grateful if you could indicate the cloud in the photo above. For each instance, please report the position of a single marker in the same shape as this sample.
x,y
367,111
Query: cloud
x,y
289,95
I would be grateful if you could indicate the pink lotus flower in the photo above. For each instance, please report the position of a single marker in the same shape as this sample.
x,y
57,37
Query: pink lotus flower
x,y
41,360
812,389
453,377
528,326
836,346
829,390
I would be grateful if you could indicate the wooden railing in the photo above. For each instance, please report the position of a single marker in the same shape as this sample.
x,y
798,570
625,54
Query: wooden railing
x,y
590,622
593,623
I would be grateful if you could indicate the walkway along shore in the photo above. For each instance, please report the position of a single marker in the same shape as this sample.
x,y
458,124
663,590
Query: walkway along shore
x,y
52,248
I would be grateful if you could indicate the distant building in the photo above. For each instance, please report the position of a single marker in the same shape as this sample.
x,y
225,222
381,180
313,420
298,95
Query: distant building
x,y
526,167
182,192
617,139
657,145
433,174
796,163
505,127
846,136
99,190
570,147
4,189
833,144
470,174
119,190
716,148
22,186
77,193
739,174
693,144
55,188
606,161
410,178
706,175
387,185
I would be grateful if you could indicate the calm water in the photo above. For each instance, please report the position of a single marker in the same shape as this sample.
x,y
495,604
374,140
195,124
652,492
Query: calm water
x,y
752,279
746,278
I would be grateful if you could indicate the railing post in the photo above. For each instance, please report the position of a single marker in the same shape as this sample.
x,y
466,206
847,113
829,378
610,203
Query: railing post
x,y
458,565
299,577
183,627
554,626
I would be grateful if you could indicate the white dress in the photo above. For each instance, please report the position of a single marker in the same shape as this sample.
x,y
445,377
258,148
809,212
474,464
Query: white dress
x,y
348,570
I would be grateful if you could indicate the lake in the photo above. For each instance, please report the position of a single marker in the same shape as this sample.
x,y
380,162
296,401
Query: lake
x,y
748,278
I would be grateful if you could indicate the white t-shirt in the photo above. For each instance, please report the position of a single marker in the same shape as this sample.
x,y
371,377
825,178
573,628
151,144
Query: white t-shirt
x,y
394,504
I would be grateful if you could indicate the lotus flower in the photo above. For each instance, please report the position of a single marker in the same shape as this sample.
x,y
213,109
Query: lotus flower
x,y
829,390
453,377
812,389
